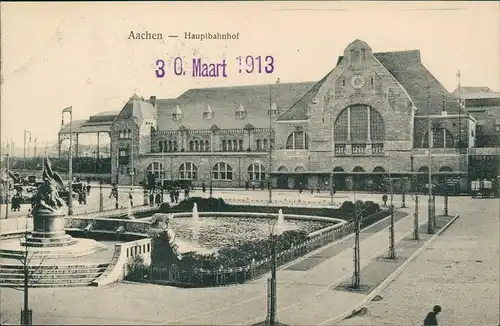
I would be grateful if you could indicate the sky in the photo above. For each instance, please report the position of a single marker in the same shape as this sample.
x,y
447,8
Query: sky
x,y
56,55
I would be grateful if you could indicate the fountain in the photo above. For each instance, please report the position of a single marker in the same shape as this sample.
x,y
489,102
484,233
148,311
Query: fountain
x,y
196,222
129,211
280,223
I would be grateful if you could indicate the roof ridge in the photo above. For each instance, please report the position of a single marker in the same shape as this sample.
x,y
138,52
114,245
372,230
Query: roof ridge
x,y
244,86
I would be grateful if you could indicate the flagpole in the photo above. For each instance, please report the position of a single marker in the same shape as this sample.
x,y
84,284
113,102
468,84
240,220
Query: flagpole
x,y
70,172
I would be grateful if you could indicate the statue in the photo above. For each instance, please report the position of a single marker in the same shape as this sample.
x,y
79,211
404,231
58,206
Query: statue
x,y
47,196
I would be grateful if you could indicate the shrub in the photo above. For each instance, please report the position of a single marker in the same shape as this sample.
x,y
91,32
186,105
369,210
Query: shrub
x,y
137,269
347,207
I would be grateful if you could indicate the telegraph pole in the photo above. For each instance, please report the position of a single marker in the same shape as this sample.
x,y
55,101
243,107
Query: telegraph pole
x,y
356,278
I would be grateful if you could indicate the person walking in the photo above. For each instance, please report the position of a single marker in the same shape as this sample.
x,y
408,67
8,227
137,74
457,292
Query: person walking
x,y
431,318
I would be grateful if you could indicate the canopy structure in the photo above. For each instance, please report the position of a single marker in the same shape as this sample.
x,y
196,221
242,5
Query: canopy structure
x,y
96,124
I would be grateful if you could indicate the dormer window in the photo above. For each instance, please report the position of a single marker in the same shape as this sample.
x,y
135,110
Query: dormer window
x,y
241,112
208,113
273,111
177,115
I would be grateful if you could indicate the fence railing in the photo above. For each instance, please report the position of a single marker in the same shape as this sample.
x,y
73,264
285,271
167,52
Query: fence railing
x,y
227,276
288,203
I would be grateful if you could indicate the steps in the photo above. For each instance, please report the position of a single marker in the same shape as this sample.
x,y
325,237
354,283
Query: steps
x,y
51,275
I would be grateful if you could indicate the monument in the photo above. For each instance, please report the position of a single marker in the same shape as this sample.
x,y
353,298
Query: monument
x,y
48,213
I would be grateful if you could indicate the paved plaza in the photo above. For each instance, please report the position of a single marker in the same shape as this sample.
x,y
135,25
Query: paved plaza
x,y
309,289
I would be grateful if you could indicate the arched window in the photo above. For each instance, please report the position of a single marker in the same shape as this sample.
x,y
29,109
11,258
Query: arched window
x,y
229,145
445,169
353,122
222,171
338,169
191,146
240,144
170,147
297,140
257,172
266,144
188,171
282,169
224,145
299,169
160,144
235,145
207,146
259,145
441,138
156,168
358,169
379,169
202,146
175,145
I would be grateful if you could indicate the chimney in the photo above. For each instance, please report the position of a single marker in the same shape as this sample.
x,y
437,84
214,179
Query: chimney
x,y
152,100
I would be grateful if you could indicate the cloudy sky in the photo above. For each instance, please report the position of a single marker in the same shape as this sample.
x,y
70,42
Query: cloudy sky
x,y
61,54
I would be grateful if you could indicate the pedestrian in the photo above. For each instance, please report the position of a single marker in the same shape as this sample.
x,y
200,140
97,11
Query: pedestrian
x,y
261,185
253,186
247,185
176,195
151,198
172,196
317,188
88,189
158,199
131,198
384,199
431,319
203,187
300,187
312,190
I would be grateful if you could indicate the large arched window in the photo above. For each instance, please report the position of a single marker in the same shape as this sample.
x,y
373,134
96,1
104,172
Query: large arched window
x,y
188,171
299,169
297,140
156,168
222,171
441,138
257,172
359,124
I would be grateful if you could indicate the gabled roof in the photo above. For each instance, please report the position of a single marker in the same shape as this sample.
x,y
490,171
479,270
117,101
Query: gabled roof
x,y
467,92
226,101
408,70
299,110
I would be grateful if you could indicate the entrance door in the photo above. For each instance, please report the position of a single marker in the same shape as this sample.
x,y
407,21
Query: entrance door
x,y
282,182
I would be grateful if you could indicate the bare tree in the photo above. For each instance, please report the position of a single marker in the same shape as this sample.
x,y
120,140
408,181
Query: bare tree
x,y
31,270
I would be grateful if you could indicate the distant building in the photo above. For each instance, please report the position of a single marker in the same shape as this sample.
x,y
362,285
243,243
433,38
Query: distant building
x,y
365,119
484,105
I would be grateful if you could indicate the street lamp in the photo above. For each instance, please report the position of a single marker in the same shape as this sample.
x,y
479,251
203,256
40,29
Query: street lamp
x,y
276,231
430,223
70,174
29,141
7,187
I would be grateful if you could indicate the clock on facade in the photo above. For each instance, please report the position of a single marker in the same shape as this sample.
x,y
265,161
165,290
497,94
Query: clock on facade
x,y
357,81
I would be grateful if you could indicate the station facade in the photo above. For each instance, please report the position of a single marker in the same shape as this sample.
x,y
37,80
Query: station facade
x,y
367,118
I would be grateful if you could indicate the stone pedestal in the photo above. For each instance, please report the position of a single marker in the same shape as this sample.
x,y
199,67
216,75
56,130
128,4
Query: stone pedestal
x,y
48,230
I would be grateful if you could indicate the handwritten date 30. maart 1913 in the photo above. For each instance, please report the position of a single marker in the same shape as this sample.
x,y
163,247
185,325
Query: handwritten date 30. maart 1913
x,y
205,69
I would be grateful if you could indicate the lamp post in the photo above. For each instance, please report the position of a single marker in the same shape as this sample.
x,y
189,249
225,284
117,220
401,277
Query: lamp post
x,y
275,233
8,185
392,249
134,120
70,174
403,186
29,141
430,223
415,214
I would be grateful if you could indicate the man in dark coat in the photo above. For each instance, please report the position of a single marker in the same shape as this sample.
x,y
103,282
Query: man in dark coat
x,y
431,319
203,187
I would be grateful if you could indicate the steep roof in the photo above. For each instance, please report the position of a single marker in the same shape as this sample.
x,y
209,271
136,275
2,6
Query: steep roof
x,y
408,70
299,110
225,101
139,108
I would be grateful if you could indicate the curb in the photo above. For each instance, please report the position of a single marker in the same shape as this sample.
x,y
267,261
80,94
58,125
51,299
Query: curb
x,y
391,277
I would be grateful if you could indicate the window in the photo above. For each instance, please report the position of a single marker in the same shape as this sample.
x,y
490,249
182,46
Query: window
x,y
188,171
259,145
266,144
160,145
156,168
222,171
240,144
441,138
257,172
297,140
207,146
191,146
224,145
352,125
